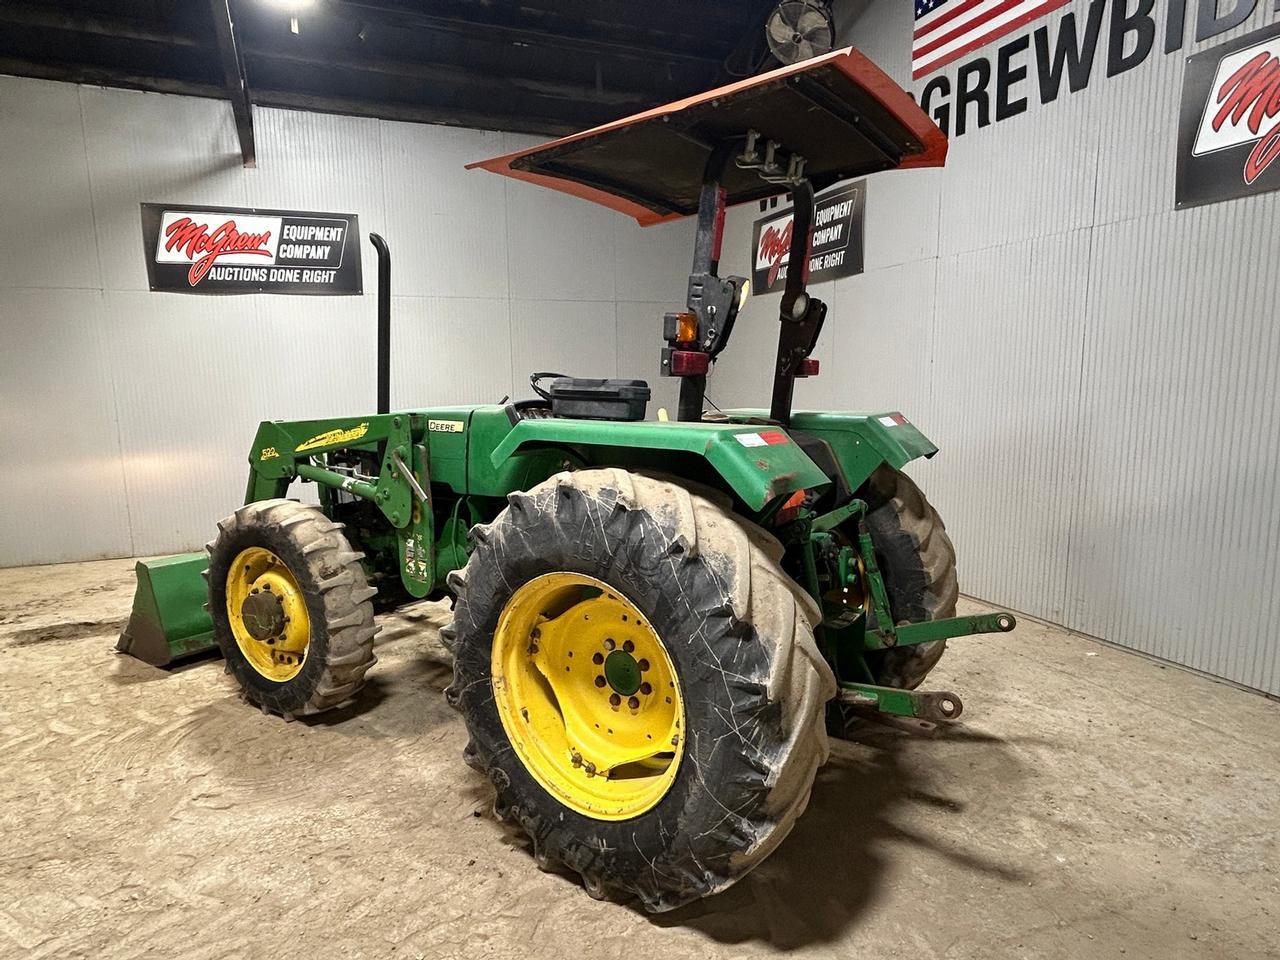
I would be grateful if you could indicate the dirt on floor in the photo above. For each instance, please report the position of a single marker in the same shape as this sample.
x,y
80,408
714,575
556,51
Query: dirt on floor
x,y
1090,803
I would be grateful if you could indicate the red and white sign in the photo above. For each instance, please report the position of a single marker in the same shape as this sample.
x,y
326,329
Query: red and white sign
x,y
1229,120
1244,107
193,249
893,420
835,244
200,240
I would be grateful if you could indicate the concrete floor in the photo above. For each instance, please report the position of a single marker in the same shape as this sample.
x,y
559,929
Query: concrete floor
x,y
1089,804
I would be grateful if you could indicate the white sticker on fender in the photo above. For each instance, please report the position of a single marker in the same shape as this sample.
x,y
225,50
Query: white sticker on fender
x,y
768,438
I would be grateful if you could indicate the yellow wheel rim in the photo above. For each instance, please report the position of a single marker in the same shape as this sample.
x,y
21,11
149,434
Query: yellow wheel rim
x,y
588,696
268,614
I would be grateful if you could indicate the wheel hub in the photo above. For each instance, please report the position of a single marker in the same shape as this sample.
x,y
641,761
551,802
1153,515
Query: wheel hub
x,y
588,696
622,673
267,614
263,614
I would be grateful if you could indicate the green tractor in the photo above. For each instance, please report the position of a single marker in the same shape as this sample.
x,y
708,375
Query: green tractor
x,y
657,624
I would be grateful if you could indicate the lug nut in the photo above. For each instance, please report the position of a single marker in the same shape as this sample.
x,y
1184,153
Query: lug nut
x,y
634,703
628,646
614,699
609,644
646,689
598,659
600,681
643,665
577,759
590,768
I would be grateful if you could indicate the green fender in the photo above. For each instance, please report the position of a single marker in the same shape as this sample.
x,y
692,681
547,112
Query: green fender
x,y
759,463
863,441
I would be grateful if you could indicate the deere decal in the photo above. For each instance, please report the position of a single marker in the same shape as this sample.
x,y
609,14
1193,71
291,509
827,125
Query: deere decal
x,y
334,436
225,250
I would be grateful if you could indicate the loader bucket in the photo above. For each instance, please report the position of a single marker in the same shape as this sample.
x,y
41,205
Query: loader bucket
x,y
169,619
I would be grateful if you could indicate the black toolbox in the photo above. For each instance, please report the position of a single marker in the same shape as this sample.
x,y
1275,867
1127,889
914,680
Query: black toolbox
x,y
599,399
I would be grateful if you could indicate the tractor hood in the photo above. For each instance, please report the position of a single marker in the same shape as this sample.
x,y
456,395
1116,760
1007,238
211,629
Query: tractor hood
x,y
844,115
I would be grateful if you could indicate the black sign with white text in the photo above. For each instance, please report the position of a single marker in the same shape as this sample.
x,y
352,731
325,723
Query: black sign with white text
x,y
837,239
1229,131
227,250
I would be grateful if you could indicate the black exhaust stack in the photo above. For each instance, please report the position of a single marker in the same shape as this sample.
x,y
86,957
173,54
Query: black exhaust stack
x,y
384,322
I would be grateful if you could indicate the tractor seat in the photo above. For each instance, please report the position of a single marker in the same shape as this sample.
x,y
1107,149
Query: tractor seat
x,y
582,399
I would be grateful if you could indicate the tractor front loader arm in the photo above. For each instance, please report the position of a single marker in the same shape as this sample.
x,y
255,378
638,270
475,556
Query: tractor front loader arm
x,y
170,619
283,451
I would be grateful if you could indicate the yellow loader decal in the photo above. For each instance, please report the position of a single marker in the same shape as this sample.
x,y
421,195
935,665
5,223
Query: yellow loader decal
x,y
335,436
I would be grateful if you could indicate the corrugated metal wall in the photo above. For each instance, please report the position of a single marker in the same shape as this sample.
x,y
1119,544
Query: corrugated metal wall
x,y
125,415
1100,371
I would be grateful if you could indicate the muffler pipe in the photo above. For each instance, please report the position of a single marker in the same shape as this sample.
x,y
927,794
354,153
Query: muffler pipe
x,y
384,322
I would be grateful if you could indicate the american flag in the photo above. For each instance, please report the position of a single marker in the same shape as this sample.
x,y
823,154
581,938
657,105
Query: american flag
x,y
948,29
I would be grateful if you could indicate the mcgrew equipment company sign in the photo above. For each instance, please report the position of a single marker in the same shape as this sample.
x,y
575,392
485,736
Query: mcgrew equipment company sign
x,y
835,246
1229,136
227,250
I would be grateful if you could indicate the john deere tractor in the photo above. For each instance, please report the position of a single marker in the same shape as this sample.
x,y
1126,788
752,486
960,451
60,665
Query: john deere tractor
x,y
657,623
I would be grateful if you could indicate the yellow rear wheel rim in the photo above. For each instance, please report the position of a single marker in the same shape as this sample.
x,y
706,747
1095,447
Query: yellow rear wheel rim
x,y
268,614
588,696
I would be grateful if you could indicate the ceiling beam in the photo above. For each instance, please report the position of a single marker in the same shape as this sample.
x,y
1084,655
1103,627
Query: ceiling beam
x,y
487,28
233,70
72,21
445,76
350,106
414,113
107,77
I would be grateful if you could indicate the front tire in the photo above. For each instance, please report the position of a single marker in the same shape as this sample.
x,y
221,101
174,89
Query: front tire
x,y
750,684
290,607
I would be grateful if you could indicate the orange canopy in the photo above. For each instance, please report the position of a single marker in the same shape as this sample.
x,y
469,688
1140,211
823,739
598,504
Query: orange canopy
x,y
840,112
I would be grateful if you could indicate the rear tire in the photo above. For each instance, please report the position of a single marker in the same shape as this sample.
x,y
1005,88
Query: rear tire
x,y
739,635
333,586
918,564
